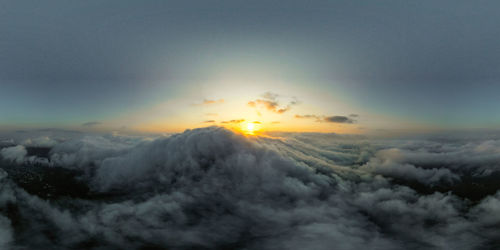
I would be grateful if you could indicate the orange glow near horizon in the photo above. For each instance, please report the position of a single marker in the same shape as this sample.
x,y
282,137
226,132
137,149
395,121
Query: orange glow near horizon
x,y
234,113
253,128
250,128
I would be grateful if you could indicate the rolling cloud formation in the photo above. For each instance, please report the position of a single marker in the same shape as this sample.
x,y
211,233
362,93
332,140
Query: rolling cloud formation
x,y
210,188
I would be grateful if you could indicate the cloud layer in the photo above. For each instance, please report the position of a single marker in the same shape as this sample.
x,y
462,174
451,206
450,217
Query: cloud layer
x,y
213,189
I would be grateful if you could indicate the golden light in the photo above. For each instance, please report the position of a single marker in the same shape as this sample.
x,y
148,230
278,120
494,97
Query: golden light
x,y
250,128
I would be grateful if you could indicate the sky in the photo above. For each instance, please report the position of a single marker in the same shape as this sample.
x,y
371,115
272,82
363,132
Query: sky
x,y
323,66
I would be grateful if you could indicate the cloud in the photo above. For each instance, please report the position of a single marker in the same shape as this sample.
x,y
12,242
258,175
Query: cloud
x,y
338,119
91,124
317,118
6,232
306,116
7,142
270,96
388,163
332,119
209,121
206,101
211,188
92,150
209,102
233,121
42,141
270,102
15,154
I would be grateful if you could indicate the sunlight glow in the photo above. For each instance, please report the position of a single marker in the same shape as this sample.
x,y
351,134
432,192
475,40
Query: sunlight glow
x,y
250,128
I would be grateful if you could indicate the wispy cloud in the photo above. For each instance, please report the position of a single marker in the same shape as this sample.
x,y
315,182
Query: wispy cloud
x,y
269,105
209,121
306,116
209,102
91,124
233,121
318,118
270,102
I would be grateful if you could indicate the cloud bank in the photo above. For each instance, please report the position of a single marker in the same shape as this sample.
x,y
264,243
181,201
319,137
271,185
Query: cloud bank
x,y
213,189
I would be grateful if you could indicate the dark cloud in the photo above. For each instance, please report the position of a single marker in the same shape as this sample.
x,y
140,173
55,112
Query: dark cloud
x,y
333,119
213,189
338,119
91,124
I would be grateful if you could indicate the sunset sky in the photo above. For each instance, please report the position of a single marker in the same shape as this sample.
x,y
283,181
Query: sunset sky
x,y
250,124
327,66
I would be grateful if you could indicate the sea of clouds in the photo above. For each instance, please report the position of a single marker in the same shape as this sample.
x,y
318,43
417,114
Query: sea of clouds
x,y
210,188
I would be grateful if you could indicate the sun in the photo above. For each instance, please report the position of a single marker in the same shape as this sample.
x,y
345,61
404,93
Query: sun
x,y
250,128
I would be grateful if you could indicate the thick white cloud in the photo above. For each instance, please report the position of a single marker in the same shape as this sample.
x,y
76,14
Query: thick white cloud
x,y
15,154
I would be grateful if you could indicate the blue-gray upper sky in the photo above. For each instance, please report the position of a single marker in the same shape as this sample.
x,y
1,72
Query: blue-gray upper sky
x,y
71,62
